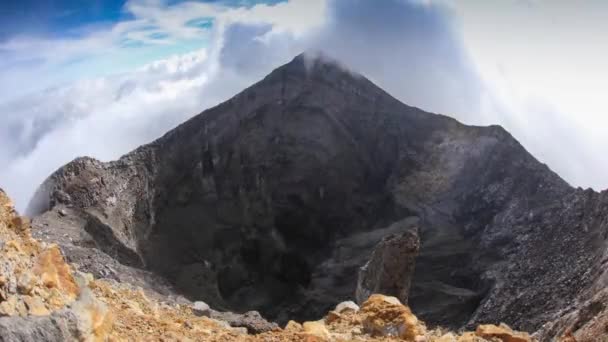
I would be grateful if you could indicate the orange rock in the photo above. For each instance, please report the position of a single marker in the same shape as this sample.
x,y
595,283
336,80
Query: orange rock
x,y
502,332
386,316
567,337
332,316
55,273
315,331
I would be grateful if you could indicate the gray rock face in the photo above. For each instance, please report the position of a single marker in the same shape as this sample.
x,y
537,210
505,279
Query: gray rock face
x,y
60,326
390,268
280,194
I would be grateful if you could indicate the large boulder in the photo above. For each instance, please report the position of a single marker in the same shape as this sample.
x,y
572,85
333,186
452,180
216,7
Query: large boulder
x,y
390,268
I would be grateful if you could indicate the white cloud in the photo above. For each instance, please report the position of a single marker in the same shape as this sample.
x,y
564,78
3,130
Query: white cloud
x,y
413,49
155,26
543,62
105,117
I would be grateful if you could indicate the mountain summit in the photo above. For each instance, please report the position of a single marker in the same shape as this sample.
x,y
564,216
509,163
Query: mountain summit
x,y
274,199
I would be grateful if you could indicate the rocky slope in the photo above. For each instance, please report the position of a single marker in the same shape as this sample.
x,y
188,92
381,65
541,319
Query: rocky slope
x,y
42,298
274,199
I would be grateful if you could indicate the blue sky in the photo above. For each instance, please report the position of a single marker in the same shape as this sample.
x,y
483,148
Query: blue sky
x,y
56,18
70,17
101,77
141,41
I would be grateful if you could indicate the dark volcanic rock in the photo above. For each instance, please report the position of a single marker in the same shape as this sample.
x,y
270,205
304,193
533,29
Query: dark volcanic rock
x,y
251,320
390,268
60,326
280,194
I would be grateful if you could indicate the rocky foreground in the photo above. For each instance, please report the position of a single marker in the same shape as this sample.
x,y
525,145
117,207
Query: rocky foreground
x,y
43,298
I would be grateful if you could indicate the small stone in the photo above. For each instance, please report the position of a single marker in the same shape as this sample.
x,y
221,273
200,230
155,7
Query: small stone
x,y
346,306
200,308
25,283
62,212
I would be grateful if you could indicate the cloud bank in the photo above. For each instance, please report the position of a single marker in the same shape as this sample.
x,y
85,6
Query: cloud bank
x,y
413,49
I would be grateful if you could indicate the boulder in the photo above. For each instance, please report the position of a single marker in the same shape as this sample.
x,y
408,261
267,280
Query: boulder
x,y
315,331
383,316
200,308
293,326
252,320
346,306
390,268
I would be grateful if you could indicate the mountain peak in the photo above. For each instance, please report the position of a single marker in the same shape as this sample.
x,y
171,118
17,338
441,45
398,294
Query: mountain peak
x,y
316,61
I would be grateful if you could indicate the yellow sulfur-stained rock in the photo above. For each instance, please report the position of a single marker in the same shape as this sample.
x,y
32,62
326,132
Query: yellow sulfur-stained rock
x,y
315,331
293,326
35,306
332,316
54,272
386,316
502,332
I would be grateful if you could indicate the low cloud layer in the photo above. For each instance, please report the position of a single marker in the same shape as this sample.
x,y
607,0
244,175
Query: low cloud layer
x,y
413,49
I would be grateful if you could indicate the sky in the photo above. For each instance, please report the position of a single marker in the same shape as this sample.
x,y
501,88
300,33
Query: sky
x,y
101,77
